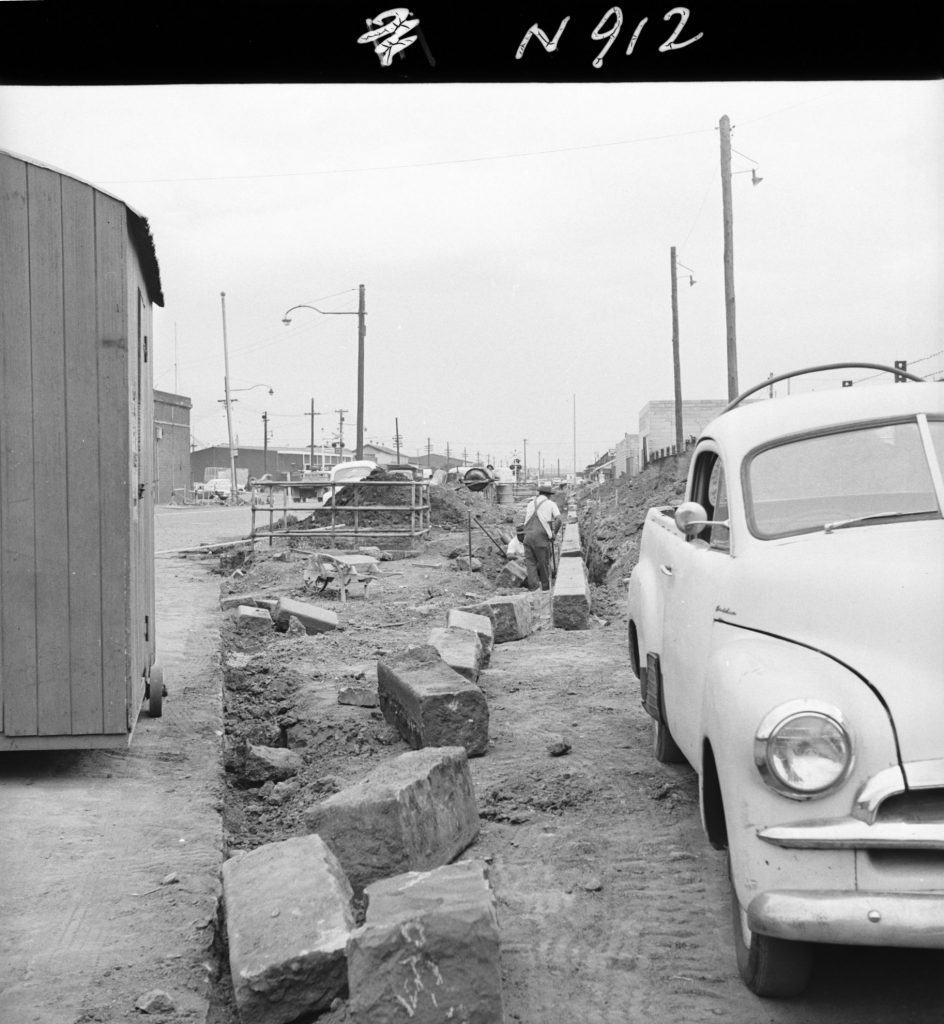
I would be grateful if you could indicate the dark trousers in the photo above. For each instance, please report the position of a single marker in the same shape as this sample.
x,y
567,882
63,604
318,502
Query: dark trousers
x,y
537,557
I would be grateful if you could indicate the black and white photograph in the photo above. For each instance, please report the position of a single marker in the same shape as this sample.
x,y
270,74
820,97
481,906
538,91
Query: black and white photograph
x,y
471,533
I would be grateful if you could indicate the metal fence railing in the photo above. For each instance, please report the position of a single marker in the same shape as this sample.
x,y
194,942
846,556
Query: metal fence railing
x,y
369,511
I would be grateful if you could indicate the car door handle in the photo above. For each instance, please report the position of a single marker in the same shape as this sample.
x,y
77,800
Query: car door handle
x,y
666,570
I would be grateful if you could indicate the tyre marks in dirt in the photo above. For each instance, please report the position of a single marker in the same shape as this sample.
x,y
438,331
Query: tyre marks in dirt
x,y
612,905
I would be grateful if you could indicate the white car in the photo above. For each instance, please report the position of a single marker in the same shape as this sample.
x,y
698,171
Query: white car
x,y
786,623
217,488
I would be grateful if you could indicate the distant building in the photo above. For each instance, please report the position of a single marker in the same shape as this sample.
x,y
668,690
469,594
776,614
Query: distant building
x,y
171,445
383,456
626,456
657,424
281,463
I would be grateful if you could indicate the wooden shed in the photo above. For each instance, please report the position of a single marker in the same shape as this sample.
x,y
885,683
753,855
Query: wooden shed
x,y
78,280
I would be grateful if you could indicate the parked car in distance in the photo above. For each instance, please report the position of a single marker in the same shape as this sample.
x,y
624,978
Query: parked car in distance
x,y
785,623
217,488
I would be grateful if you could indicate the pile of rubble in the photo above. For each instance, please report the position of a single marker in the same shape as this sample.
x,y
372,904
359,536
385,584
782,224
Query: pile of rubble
x,y
367,899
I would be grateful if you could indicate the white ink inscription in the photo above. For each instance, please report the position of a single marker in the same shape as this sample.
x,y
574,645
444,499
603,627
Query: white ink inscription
x,y
388,32
608,28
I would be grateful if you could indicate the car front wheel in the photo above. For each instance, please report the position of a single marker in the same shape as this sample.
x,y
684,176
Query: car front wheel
x,y
769,967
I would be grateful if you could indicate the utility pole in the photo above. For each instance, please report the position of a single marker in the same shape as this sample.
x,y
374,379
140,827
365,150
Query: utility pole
x,y
340,413
447,455
361,333
575,440
676,362
725,130
265,442
229,417
396,436
311,455
525,461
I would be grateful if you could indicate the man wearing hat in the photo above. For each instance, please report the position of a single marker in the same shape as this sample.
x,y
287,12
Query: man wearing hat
x,y
542,520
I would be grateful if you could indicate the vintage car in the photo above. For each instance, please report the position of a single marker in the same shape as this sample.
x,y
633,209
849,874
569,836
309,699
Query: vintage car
x,y
786,624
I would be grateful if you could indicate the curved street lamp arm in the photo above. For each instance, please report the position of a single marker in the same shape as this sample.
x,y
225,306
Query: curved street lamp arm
x,y
323,312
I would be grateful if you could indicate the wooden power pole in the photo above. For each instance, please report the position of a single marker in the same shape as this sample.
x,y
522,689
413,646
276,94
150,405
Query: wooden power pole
x,y
676,361
725,129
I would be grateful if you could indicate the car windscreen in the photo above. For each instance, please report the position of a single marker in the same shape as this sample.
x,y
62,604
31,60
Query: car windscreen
x,y
867,475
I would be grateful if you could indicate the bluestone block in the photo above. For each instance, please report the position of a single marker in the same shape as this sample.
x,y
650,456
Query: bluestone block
x,y
413,813
288,918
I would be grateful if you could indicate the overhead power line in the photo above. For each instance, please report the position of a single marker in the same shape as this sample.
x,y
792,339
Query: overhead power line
x,y
410,166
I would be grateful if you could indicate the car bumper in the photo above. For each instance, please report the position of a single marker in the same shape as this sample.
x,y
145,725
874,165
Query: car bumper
x,y
855,919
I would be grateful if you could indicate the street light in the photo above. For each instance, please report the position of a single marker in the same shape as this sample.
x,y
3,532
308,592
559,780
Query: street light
x,y
361,332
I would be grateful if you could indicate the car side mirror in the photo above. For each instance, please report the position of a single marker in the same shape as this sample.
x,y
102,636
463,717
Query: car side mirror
x,y
691,518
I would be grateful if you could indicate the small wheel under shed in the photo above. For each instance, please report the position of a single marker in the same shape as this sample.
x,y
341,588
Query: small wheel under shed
x,y
155,691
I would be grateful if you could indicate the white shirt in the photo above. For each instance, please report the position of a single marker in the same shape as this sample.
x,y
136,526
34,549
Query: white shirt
x,y
546,511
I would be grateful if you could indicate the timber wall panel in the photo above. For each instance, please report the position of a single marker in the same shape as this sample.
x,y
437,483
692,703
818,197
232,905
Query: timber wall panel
x,y
81,455
114,454
49,490
17,528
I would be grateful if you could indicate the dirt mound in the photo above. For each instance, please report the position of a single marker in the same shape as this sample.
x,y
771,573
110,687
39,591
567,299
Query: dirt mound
x,y
450,506
611,517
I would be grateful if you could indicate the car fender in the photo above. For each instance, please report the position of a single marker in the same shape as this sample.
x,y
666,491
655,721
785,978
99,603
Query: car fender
x,y
749,675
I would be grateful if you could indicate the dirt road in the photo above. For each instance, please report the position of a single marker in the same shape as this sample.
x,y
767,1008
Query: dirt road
x,y
613,907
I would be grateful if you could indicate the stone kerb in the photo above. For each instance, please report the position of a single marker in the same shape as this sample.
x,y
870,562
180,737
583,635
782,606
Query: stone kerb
x,y
481,625
428,950
288,918
460,649
430,704
511,616
571,601
313,618
570,544
414,813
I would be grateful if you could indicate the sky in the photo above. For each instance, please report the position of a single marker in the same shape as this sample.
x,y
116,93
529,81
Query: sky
x,y
514,244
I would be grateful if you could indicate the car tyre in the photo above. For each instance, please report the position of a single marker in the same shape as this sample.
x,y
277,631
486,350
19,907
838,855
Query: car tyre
x,y
664,747
774,968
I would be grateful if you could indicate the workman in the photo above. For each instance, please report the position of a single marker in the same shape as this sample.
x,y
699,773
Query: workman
x,y
542,520
515,549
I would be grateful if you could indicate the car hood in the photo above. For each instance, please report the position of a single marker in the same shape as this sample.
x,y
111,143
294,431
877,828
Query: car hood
x,y
871,597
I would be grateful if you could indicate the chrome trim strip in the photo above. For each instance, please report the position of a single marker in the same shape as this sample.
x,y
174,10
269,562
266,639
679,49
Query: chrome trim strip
x,y
853,834
855,918
888,782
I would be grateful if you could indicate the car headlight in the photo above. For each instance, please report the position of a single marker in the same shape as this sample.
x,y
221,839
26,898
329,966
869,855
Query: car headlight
x,y
803,749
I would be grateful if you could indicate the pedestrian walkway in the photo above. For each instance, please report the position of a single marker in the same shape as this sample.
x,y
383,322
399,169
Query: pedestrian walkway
x,y
110,860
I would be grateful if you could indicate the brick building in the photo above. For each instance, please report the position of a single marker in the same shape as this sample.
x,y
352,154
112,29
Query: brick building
x,y
171,445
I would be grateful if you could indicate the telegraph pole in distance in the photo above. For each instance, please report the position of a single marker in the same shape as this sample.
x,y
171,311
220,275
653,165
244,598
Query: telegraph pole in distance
x,y
725,129
340,413
229,402
311,456
676,361
265,442
361,333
